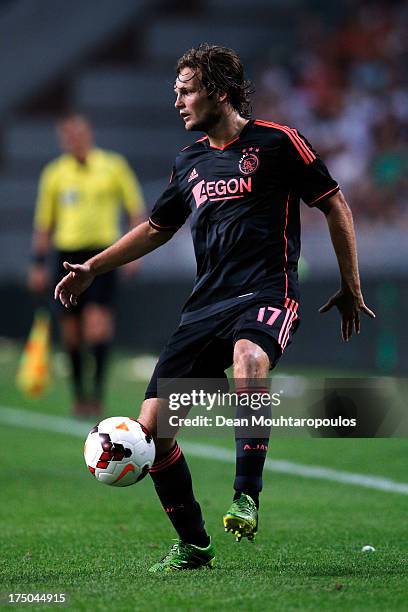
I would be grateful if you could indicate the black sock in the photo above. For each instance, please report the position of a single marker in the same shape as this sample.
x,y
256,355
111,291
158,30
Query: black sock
x,y
100,352
250,450
75,356
172,481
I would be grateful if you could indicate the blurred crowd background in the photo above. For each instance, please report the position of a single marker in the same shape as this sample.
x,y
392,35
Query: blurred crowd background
x,y
345,82
337,71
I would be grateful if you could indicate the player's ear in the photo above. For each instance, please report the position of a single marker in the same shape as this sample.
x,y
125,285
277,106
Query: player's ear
x,y
222,97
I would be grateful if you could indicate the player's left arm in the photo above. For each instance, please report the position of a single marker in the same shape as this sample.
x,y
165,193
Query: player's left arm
x,y
349,299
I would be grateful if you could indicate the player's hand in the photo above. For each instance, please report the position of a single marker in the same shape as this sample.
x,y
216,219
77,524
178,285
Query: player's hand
x,y
38,279
349,307
73,284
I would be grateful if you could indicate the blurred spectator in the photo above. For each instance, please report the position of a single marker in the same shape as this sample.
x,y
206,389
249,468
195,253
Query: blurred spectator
x,y
346,90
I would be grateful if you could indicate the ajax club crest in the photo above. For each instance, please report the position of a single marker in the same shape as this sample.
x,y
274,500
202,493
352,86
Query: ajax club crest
x,y
249,161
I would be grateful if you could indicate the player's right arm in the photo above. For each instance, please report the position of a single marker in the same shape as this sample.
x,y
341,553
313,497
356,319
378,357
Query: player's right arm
x,y
140,241
169,213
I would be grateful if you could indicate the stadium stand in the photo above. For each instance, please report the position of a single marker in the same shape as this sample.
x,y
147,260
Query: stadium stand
x,y
313,66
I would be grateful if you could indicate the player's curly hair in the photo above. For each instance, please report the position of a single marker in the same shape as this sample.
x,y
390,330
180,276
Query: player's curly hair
x,y
221,71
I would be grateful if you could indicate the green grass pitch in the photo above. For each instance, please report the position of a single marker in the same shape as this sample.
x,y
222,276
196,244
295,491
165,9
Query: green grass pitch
x,y
62,532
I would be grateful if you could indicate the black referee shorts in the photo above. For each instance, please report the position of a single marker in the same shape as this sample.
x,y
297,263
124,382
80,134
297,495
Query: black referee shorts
x,y
204,349
103,289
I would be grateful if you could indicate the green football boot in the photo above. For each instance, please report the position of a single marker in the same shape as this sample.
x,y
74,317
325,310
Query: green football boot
x,y
242,518
183,556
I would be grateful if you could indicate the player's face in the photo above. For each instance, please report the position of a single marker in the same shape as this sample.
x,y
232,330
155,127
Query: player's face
x,y
75,136
197,110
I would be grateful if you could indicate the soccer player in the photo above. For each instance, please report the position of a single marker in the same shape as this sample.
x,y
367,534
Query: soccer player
x,y
80,198
240,184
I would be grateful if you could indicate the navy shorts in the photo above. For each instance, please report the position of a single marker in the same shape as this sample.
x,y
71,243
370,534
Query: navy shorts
x,y
204,349
103,289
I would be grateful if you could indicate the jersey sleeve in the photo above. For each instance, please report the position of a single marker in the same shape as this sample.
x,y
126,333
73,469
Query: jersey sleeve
x,y
130,190
312,180
44,217
170,211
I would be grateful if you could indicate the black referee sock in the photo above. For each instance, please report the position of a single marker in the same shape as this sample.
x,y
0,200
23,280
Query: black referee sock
x,y
172,481
75,356
251,451
100,352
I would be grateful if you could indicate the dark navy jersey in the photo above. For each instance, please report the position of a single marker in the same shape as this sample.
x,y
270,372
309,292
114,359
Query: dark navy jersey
x,y
244,205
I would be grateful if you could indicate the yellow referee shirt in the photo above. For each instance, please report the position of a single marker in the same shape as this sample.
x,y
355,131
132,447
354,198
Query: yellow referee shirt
x,y
81,203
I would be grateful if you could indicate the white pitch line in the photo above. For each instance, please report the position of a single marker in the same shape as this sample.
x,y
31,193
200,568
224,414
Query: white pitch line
x,y
64,425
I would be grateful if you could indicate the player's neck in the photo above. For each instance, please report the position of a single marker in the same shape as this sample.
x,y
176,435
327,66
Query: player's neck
x,y
228,128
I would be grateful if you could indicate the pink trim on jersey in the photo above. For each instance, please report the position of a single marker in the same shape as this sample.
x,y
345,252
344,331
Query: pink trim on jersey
x,y
161,227
324,195
286,338
190,145
293,318
308,152
285,238
304,151
227,144
291,307
286,334
291,304
167,461
282,329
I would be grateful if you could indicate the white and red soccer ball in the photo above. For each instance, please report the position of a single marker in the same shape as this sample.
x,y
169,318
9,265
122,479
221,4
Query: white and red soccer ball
x,y
119,451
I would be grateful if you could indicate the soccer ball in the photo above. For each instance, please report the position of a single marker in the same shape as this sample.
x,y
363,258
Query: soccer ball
x,y
119,451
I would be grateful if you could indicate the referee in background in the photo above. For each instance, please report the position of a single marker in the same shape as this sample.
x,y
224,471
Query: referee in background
x,y
80,198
